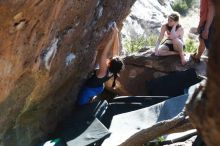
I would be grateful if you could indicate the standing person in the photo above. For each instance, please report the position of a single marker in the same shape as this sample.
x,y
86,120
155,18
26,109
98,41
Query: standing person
x,y
108,67
174,43
205,27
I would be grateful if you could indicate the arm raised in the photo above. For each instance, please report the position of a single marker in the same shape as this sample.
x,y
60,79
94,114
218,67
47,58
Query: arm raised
x,y
103,66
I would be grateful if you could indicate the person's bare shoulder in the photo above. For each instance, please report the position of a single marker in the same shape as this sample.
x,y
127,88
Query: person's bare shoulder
x,y
164,27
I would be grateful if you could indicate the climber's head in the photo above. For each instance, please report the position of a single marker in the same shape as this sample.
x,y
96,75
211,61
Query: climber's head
x,y
115,66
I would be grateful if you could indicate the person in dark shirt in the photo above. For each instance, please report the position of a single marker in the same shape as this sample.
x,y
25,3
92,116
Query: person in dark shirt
x,y
173,45
108,67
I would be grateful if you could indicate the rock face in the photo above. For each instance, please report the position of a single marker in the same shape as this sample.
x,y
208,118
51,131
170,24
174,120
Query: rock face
x,y
144,66
46,50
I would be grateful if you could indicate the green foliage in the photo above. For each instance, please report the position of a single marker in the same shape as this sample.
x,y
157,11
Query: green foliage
x,y
189,3
139,42
190,46
151,40
158,141
161,139
182,6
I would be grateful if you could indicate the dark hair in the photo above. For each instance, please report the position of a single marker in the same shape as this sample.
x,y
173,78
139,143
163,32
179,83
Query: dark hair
x,y
174,16
115,66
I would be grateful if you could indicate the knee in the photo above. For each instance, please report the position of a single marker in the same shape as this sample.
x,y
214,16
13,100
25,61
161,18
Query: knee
x,y
178,47
181,46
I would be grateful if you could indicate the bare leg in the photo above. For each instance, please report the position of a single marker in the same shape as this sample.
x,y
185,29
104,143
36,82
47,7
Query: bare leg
x,y
201,49
178,46
164,51
182,57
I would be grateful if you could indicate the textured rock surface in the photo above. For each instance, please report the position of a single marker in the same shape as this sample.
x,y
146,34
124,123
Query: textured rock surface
x,y
46,49
142,67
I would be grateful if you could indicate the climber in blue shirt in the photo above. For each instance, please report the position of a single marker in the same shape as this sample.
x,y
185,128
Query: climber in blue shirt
x,y
108,67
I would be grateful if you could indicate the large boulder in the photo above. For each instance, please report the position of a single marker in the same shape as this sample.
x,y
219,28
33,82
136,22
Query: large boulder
x,y
144,66
46,50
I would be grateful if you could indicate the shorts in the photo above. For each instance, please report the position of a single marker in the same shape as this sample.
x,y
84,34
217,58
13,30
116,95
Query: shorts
x,y
209,39
170,46
87,93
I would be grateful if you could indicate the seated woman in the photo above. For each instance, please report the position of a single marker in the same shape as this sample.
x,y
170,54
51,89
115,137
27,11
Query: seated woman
x,y
174,43
108,67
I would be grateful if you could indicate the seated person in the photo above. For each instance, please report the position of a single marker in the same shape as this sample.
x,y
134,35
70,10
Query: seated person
x,y
108,67
174,43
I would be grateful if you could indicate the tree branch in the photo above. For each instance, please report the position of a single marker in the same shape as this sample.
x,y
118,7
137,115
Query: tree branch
x,y
178,124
